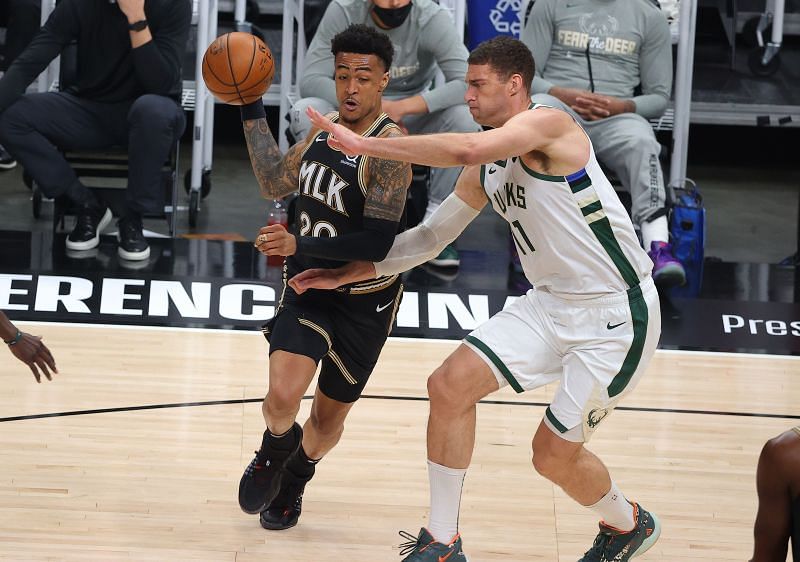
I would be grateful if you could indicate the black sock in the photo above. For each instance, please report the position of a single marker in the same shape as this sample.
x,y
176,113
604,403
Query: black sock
x,y
300,465
286,442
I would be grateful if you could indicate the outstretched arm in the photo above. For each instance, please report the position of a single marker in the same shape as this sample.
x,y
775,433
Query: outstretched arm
x,y
523,133
277,174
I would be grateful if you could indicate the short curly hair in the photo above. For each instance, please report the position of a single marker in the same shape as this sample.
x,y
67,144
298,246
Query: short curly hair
x,y
364,40
506,56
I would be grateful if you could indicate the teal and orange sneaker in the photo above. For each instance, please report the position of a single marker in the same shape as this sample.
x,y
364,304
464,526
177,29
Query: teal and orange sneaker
x,y
613,545
424,548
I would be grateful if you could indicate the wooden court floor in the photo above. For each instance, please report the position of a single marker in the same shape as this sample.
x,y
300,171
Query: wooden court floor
x,y
160,424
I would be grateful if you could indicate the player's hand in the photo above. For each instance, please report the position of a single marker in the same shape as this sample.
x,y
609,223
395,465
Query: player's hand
x,y
133,9
31,351
340,138
315,279
274,240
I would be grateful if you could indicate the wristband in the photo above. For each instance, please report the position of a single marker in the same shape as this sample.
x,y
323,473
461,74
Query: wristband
x,y
253,110
14,341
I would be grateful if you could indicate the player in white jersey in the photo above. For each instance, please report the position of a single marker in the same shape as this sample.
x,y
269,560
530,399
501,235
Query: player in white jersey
x,y
591,322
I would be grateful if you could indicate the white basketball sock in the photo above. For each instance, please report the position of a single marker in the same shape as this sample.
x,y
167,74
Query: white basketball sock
x,y
446,484
655,231
615,510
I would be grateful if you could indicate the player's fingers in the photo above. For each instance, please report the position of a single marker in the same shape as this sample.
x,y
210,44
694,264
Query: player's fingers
x,y
35,372
274,228
43,366
319,120
49,359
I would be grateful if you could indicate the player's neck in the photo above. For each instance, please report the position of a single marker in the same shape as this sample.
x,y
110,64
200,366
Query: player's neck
x,y
363,125
516,105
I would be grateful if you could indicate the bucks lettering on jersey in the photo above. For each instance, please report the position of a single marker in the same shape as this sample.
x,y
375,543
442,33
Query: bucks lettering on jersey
x,y
573,235
332,191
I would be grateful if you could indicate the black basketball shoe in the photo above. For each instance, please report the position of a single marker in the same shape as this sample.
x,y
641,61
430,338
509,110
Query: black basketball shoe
x,y
260,482
91,221
284,511
133,245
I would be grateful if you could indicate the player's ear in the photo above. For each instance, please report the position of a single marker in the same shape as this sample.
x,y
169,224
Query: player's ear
x,y
384,81
515,84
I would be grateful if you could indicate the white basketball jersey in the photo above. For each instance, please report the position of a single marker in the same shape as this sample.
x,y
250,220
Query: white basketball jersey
x,y
573,235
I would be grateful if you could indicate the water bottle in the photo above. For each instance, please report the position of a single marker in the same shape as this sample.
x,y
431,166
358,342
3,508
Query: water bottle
x,y
277,215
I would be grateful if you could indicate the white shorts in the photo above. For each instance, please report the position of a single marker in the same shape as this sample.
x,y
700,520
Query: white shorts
x,y
598,348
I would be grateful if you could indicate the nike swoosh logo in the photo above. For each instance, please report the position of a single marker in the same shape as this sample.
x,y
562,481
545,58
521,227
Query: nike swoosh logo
x,y
492,170
380,308
446,556
611,326
320,139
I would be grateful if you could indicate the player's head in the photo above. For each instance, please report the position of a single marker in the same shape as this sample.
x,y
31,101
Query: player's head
x,y
362,58
499,76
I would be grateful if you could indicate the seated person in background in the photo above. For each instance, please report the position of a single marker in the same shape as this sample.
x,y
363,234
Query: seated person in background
x,y
425,40
778,484
590,56
21,19
127,93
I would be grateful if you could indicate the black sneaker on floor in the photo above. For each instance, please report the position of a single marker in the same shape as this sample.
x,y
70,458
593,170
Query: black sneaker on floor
x,y
6,160
133,245
284,511
89,224
260,482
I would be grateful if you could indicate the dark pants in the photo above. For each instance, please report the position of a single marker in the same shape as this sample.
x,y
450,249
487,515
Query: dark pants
x,y
22,21
38,126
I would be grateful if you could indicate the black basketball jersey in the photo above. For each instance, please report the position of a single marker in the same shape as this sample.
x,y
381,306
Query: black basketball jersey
x,y
332,193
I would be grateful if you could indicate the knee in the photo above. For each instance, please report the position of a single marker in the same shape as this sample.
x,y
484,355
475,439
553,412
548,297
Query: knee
x,y
282,398
13,118
546,463
158,112
443,389
299,123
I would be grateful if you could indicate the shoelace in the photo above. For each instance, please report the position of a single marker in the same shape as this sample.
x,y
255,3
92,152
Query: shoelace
x,y
256,464
601,544
411,544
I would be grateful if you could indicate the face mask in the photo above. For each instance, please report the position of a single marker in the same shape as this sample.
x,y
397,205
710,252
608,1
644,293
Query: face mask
x,y
392,18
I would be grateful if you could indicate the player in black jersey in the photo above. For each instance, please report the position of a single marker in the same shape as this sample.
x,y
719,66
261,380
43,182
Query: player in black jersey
x,y
349,208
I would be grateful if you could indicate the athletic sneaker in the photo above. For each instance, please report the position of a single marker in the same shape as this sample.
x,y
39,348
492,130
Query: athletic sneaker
x,y
260,482
91,221
7,161
284,511
446,258
667,271
612,545
133,245
424,548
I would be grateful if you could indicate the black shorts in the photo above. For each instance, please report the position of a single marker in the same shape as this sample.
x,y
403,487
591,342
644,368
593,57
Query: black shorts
x,y
345,331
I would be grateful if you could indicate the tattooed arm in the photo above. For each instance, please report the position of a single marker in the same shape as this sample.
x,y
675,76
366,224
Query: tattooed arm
x,y
388,186
276,174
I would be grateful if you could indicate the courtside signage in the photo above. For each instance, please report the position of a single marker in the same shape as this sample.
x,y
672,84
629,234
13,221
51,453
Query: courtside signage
x,y
701,324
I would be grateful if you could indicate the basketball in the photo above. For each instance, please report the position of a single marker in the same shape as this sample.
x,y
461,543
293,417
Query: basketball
x,y
238,68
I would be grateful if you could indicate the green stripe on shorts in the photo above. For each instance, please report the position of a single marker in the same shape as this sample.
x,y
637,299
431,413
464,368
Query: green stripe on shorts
x,y
552,418
631,362
497,362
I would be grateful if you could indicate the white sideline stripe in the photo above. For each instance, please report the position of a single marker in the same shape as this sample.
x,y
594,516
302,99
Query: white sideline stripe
x,y
256,331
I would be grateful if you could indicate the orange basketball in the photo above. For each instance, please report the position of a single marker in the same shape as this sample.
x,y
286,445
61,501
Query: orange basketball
x,y
238,68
